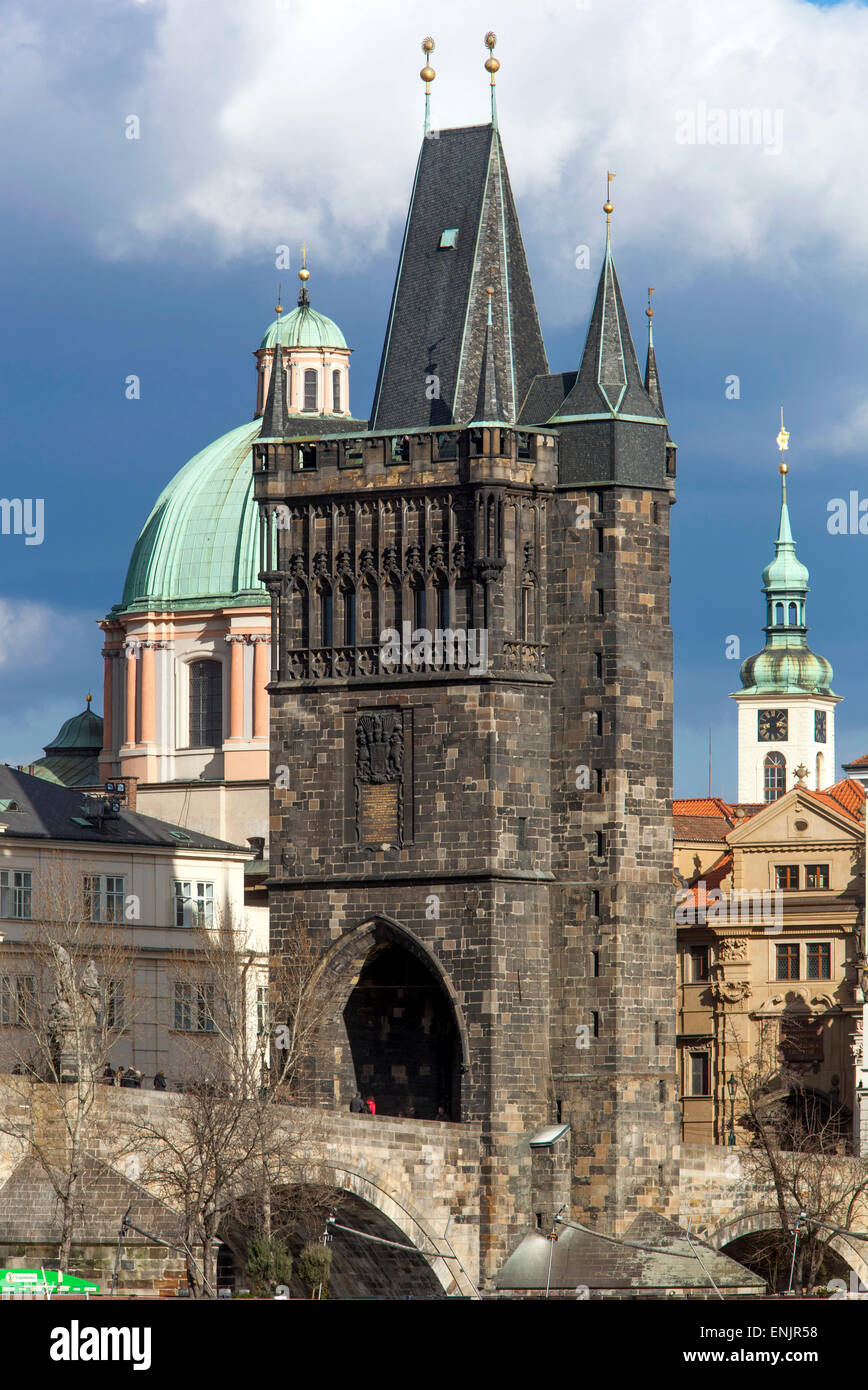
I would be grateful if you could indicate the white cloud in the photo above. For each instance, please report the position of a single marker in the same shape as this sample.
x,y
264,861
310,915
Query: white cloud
x,y
283,119
34,635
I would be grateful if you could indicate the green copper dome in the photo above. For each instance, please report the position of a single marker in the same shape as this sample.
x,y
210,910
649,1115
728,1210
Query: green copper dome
x,y
304,327
786,665
200,544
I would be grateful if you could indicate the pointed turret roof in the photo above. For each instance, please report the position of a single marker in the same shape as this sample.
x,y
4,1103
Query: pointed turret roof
x,y
462,233
488,404
609,381
274,417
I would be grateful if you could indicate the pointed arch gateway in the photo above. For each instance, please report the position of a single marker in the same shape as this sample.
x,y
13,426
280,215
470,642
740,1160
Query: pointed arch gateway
x,y
399,1021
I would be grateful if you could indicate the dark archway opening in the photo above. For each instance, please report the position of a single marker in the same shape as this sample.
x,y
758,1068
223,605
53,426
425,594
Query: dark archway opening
x,y
403,1037
769,1254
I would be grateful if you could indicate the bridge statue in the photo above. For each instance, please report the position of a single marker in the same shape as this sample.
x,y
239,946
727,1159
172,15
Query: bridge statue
x,y
74,1018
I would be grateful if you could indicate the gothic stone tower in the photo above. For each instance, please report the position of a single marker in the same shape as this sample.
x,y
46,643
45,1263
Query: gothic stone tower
x,y
477,900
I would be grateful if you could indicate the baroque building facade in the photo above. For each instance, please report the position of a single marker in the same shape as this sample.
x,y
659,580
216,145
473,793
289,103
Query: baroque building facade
x,y
471,690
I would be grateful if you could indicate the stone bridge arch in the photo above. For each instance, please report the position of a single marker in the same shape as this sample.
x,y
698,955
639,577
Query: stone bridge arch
x,y
764,1219
437,1251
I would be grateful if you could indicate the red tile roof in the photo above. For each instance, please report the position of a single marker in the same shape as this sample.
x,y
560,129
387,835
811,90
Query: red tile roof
x,y
847,795
701,806
858,762
707,829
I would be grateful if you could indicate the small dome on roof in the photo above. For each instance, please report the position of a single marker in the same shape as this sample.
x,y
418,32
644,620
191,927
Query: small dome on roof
x,y
304,327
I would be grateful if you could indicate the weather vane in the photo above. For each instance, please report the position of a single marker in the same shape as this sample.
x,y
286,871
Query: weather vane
x,y
607,206
427,75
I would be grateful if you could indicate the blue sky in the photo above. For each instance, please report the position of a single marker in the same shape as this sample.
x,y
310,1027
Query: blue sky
x,y
156,257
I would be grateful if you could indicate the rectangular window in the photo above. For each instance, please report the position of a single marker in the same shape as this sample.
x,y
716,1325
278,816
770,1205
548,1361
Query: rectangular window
x,y
262,1026
598,723
595,902
336,392
598,779
819,960
443,606
787,962
194,1007
103,896
194,904
816,875
698,963
17,1000
786,875
598,665
601,540
349,617
114,1005
310,389
419,606
595,963
16,892
601,606
801,1038
820,726
699,1074
595,1024
600,844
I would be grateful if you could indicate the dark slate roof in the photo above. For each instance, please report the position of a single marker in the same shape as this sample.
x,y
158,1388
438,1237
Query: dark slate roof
x,y
50,812
437,321
544,397
609,382
583,1259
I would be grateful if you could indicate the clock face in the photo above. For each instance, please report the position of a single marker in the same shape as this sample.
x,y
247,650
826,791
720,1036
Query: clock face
x,y
819,726
772,725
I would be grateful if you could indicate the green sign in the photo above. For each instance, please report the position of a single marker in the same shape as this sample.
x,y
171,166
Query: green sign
x,y
42,1278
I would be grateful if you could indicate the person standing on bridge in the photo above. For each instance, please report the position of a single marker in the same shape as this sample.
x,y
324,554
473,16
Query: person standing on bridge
x,y
371,1105
357,1104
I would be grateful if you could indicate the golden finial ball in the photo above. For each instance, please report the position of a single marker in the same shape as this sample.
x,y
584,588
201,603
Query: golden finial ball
x,y
783,468
278,309
608,208
428,45
427,73
304,275
650,312
490,39
492,65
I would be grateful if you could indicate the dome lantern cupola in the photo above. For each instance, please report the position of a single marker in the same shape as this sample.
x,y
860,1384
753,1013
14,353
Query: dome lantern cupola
x,y
316,359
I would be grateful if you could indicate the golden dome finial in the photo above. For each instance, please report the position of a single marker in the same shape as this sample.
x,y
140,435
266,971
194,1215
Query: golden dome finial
x,y
649,311
491,64
783,441
278,308
427,74
608,209
88,699
304,273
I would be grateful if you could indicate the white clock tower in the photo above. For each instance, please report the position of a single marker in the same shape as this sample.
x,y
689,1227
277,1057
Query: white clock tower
x,y
786,710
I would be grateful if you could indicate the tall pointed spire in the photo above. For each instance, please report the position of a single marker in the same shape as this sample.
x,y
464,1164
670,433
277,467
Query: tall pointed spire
x,y
786,663
427,75
609,381
492,66
488,407
274,417
652,376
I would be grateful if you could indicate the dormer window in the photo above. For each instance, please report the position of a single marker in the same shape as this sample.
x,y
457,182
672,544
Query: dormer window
x,y
449,239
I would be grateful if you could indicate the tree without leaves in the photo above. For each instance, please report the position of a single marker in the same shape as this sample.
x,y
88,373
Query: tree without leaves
x,y
234,1136
796,1152
64,977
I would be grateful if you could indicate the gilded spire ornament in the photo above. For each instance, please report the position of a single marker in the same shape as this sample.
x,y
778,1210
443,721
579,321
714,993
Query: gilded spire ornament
x,y
427,75
492,66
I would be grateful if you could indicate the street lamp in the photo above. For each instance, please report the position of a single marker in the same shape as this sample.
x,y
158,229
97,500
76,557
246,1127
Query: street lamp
x,y
731,1087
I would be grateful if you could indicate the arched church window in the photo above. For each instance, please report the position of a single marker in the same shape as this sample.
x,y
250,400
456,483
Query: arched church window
x,y
326,615
348,596
779,614
794,615
310,389
419,606
441,587
336,391
206,704
775,776
527,616
819,772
